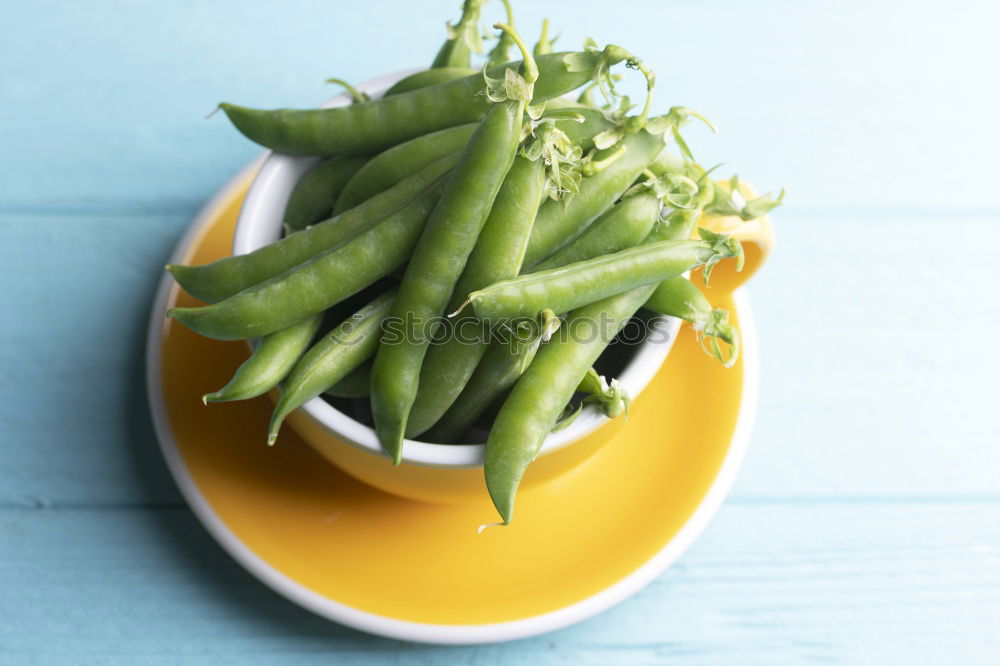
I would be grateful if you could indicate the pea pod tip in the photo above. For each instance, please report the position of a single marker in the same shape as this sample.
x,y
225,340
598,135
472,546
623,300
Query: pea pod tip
x,y
482,528
216,396
461,307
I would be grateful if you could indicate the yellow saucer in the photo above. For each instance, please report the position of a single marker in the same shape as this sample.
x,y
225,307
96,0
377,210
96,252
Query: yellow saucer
x,y
421,572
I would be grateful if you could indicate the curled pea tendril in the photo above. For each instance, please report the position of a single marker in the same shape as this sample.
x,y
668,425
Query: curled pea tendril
x,y
714,327
730,201
600,62
562,158
541,138
723,247
608,144
672,122
674,189
357,97
588,95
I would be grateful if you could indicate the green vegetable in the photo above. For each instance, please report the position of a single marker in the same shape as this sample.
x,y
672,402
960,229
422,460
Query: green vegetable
x,y
681,298
559,223
572,286
355,384
377,125
398,163
501,366
226,277
444,248
497,255
330,360
449,367
623,226
538,398
272,359
318,284
620,227
316,193
428,78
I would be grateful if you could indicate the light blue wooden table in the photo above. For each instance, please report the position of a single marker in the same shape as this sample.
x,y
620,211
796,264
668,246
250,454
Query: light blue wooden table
x,y
865,526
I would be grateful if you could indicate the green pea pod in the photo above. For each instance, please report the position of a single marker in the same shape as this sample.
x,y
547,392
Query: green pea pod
x,y
463,38
316,193
221,279
444,248
538,398
497,255
427,78
379,124
318,284
559,223
623,226
449,366
355,384
575,285
504,361
681,298
394,165
330,360
678,296
516,438
272,359
497,371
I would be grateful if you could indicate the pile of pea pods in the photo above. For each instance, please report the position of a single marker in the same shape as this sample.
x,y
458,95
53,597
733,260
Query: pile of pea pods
x,y
471,200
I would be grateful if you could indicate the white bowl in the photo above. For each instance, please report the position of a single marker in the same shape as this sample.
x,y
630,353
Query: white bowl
x,y
260,223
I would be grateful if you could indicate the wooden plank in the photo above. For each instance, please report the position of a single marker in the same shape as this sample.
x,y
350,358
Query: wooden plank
x,y
74,426
876,371
849,104
886,583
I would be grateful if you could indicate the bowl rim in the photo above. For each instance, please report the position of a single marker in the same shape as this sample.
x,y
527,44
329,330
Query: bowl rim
x,y
416,631
263,209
